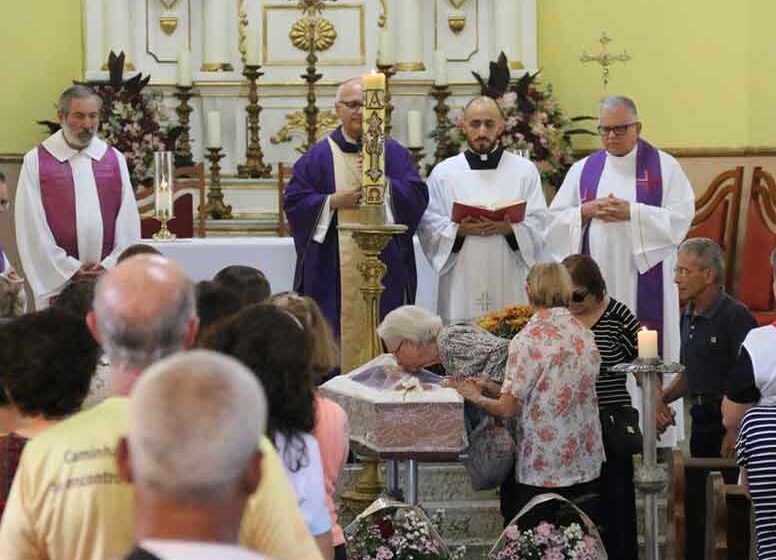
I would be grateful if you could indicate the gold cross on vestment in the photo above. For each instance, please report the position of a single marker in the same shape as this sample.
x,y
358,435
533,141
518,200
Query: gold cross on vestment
x,y
483,301
605,59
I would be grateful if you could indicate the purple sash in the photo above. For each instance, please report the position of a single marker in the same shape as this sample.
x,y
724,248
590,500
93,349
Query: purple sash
x,y
649,190
57,193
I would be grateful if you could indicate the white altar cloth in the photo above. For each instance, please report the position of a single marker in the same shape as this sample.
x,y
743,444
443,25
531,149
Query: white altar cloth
x,y
274,256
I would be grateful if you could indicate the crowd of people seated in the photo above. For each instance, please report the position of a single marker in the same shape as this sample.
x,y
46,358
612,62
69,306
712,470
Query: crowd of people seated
x,y
144,416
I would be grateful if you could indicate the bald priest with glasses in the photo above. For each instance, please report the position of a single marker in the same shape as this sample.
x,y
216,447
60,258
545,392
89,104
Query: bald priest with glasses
x,y
628,206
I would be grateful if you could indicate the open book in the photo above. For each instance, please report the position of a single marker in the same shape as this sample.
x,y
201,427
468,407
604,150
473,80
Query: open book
x,y
513,209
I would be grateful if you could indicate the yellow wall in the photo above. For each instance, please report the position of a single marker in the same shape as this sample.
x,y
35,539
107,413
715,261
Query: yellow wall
x,y
40,54
703,72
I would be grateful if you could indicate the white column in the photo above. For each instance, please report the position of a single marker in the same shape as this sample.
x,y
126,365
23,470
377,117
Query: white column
x,y
528,25
507,26
215,55
409,21
116,26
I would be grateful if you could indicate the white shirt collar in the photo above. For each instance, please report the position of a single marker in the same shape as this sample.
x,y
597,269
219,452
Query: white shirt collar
x,y
57,147
347,138
627,157
196,550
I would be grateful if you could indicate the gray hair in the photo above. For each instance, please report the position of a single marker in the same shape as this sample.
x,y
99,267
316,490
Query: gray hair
x,y
614,101
412,323
708,253
137,345
341,87
195,422
78,91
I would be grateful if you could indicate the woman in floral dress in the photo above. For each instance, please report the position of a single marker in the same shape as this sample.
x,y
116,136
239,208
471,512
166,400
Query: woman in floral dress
x,y
549,388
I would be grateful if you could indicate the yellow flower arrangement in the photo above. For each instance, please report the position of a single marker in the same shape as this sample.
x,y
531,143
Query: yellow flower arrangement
x,y
507,322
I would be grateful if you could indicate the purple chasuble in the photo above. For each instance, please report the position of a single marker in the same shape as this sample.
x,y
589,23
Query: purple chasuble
x,y
317,264
649,190
57,193
3,264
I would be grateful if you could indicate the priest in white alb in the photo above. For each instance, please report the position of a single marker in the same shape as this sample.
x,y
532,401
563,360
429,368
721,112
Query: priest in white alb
x,y
482,264
75,207
629,207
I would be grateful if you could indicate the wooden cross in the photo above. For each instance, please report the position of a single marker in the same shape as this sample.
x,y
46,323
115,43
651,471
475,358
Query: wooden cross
x,y
483,301
605,59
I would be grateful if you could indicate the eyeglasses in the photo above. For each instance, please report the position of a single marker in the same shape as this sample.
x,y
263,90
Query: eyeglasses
x,y
619,130
683,272
352,105
579,297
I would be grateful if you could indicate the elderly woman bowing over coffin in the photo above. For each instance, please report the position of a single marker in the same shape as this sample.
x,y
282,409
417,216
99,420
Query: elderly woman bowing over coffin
x,y
549,387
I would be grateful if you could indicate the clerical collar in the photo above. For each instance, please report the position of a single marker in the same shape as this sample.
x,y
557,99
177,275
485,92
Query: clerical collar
x,y
484,161
345,143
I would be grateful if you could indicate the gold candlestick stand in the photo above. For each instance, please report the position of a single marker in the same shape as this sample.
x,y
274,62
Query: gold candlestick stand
x,y
440,93
254,165
183,157
311,76
216,208
389,71
163,234
417,155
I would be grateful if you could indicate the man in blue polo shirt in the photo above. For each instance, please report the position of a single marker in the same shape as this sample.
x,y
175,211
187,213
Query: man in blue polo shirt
x,y
713,326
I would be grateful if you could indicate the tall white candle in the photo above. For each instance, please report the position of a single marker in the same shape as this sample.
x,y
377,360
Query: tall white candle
x,y
213,129
117,28
215,49
252,46
414,129
410,48
507,28
440,68
385,55
183,70
647,343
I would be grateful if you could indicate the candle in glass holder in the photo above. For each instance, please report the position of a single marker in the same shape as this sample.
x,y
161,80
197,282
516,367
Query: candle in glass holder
x,y
414,129
164,199
213,129
440,68
647,340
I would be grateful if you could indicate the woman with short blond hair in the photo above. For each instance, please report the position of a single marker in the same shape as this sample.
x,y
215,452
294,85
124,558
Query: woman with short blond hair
x,y
549,388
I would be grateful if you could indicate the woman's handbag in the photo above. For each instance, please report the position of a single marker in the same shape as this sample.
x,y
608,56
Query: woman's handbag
x,y
490,457
620,431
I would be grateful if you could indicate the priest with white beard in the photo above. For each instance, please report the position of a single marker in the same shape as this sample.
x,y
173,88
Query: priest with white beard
x,y
482,264
75,206
629,207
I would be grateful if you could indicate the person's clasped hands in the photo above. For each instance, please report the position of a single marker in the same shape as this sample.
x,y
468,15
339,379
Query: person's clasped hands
x,y
608,209
484,226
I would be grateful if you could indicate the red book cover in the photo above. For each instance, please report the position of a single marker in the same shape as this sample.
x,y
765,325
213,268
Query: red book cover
x,y
514,209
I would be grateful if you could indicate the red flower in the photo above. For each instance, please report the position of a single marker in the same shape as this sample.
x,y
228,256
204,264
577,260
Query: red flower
x,y
547,435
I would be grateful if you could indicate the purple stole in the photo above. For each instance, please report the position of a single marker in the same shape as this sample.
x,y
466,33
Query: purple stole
x,y
57,193
2,260
649,190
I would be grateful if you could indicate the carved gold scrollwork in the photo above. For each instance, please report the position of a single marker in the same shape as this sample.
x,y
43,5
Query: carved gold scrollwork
x,y
383,18
325,34
297,123
168,24
243,17
457,3
168,4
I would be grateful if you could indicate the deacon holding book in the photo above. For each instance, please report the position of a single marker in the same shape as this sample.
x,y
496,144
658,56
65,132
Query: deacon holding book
x,y
469,233
326,189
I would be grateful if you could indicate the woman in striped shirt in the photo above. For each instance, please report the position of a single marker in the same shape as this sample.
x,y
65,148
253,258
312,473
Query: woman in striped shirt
x,y
615,330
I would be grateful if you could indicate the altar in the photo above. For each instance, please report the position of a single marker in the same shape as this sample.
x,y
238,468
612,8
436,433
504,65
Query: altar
x,y
202,258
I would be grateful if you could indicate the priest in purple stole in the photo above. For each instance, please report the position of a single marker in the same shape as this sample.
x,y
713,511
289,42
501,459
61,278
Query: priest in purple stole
x,y
326,188
75,206
629,207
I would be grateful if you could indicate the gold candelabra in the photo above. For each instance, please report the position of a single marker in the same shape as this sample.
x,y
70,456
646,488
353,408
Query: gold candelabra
x,y
164,234
183,157
311,76
216,208
440,93
254,165
417,155
389,71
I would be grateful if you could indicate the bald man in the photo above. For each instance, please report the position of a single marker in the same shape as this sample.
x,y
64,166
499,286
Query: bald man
x,y
482,264
68,500
325,190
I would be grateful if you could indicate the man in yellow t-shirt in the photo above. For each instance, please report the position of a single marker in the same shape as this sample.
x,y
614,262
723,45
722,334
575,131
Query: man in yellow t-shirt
x,y
67,501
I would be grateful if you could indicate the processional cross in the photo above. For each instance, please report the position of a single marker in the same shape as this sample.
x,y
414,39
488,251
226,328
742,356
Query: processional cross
x,y
605,59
